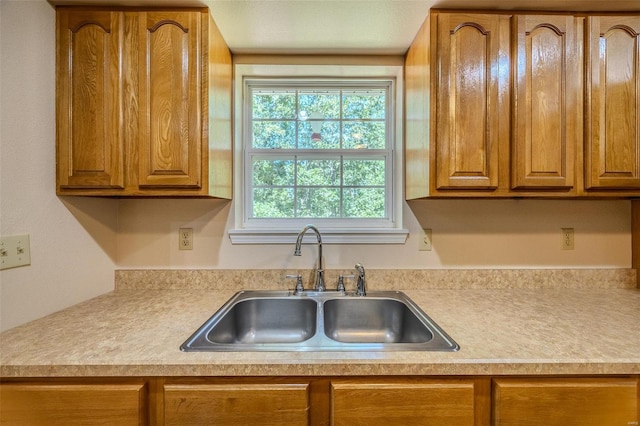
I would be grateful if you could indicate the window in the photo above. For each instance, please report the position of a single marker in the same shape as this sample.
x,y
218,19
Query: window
x,y
318,150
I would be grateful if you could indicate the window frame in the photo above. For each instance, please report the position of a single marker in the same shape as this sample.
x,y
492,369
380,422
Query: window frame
x,y
275,230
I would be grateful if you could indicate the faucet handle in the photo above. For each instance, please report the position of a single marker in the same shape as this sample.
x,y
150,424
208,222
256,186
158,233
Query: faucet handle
x,y
341,278
299,287
361,286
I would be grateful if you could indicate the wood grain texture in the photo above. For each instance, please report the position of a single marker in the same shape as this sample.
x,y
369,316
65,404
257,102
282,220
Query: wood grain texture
x,y
89,139
562,402
153,127
472,99
170,144
402,402
547,79
236,404
217,94
68,404
417,119
613,103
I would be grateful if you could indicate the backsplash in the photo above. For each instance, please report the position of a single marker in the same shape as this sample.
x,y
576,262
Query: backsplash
x,y
377,279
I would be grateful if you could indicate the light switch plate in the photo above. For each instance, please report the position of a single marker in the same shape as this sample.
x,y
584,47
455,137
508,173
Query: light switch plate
x,y
14,251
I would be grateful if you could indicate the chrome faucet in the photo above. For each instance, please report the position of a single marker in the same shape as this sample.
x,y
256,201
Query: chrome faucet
x,y
361,286
319,285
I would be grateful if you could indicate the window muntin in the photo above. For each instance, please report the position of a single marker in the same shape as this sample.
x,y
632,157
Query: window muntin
x,y
319,152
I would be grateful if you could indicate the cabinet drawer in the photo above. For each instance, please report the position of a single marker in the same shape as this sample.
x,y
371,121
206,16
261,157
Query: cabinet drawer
x,y
563,402
67,404
236,404
413,403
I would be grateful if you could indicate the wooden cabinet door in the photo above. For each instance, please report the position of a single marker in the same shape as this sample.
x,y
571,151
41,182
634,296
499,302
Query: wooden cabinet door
x,y
89,136
170,122
62,404
565,402
402,403
547,86
612,148
472,100
236,404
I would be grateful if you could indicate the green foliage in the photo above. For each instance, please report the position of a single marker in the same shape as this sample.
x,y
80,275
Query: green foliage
x,y
288,184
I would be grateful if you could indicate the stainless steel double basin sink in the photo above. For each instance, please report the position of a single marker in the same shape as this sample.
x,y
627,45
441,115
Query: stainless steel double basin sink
x,y
319,321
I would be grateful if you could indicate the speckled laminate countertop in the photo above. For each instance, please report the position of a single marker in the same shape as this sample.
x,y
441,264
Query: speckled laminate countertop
x,y
500,331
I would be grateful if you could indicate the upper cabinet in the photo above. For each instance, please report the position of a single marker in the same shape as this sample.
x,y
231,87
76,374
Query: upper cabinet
x,y
612,145
470,99
496,106
545,102
143,103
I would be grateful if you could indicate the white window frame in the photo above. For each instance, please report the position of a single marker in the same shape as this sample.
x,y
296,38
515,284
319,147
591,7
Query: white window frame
x,y
283,231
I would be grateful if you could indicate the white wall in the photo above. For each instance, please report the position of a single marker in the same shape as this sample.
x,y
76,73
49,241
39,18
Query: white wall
x,y
73,241
76,243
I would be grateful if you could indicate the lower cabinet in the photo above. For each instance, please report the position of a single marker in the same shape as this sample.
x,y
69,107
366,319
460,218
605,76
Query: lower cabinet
x,y
565,402
236,404
404,402
433,401
87,402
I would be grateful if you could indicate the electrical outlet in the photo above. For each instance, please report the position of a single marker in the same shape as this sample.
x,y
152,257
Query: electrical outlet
x,y
185,239
425,242
14,251
567,239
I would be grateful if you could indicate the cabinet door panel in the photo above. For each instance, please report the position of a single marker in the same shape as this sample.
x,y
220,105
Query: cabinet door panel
x,y
236,404
613,128
170,139
90,140
472,85
545,102
354,403
69,404
565,402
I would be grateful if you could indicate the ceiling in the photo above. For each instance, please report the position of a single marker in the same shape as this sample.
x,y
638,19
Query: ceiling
x,y
365,27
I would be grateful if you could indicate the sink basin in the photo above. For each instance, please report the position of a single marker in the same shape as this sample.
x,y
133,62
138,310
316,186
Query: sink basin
x,y
266,320
364,320
319,321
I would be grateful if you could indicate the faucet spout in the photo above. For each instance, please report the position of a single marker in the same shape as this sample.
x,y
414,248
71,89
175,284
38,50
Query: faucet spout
x,y
319,285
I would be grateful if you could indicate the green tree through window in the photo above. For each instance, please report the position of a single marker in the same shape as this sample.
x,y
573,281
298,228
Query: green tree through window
x,y
319,151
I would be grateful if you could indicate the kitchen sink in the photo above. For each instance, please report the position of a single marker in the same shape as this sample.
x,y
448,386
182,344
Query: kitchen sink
x,y
266,320
365,320
319,321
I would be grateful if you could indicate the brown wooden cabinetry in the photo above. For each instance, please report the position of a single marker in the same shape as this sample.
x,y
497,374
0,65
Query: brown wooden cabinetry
x,y
471,101
407,402
563,402
545,102
480,401
240,403
143,103
612,143
501,106
66,403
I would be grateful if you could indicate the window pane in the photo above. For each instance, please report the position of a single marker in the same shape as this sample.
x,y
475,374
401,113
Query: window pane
x,y
319,135
318,202
364,135
325,103
272,202
274,105
364,173
274,134
273,172
370,104
318,172
364,202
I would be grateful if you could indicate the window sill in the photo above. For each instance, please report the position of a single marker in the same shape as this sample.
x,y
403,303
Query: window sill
x,y
329,236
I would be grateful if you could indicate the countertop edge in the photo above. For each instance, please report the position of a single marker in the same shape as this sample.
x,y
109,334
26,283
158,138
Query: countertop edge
x,y
469,368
